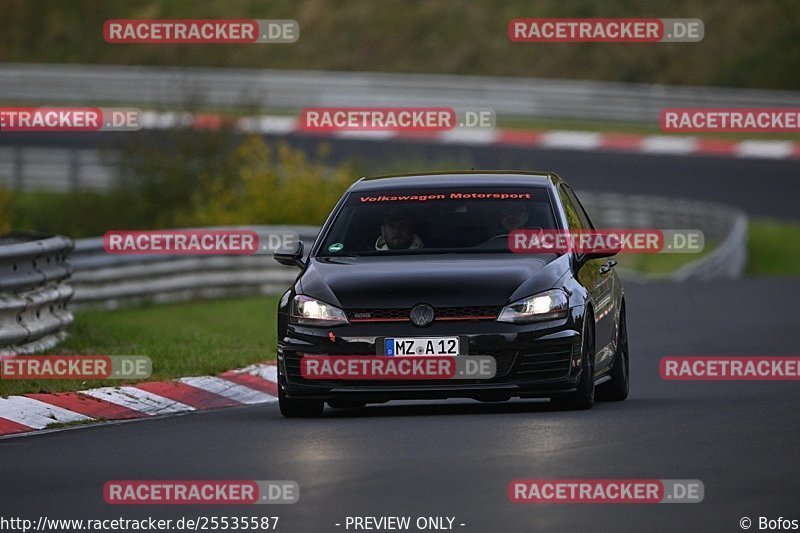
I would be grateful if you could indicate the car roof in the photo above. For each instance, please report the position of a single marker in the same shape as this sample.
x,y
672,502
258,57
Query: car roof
x,y
470,178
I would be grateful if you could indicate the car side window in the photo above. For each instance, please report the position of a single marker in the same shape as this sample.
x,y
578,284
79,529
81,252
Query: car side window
x,y
573,219
582,214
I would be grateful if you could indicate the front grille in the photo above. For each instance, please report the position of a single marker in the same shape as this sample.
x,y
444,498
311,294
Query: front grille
x,y
504,359
401,314
538,361
377,315
293,367
456,313
546,360
292,359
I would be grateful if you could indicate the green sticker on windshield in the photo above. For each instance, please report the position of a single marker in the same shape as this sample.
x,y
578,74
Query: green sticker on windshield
x,y
335,247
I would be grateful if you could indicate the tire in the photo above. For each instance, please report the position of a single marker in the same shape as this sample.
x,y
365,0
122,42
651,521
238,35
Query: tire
x,y
617,389
583,397
293,408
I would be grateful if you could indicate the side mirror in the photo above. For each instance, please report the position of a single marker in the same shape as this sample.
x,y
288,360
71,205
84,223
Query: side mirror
x,y
585,258
290,254
601,255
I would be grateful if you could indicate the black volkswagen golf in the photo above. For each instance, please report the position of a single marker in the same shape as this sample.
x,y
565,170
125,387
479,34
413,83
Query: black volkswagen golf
x,y
422,265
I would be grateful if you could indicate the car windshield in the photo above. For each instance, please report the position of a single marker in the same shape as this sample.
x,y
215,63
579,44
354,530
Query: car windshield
x,y
474,220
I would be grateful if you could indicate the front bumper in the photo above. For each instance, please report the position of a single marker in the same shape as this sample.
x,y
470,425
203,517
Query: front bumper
x,y
533,360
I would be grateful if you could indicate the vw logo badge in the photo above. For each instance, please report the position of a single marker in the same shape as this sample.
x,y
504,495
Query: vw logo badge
x,y
422,315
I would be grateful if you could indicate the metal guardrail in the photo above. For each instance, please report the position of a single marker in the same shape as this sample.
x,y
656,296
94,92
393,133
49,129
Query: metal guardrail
x,y
726,261
33,292
57,169
723,227
110,281
268,89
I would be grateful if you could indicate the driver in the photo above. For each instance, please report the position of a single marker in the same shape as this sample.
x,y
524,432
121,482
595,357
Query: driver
x,y
397,232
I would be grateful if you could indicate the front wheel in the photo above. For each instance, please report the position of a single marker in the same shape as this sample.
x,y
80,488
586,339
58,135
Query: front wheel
x,y
294,408
583,397
617,389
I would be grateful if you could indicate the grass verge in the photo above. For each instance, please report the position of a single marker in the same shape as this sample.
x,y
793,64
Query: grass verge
x,y
660,263
773,248
183,339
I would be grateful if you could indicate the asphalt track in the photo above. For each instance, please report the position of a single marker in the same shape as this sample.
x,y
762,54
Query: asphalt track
x,y
761,187
457,458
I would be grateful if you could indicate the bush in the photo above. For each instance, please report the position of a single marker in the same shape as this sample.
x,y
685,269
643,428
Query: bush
x,y
188,178
265,185
6,210
194,178
81,214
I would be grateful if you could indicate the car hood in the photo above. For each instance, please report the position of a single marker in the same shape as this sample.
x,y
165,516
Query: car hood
x,y
452,280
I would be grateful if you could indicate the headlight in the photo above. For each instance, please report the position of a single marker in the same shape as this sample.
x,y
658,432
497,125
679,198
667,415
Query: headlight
x,y
311,312
543,306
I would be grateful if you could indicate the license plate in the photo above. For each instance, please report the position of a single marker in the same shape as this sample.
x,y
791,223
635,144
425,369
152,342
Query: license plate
x,y
422,346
